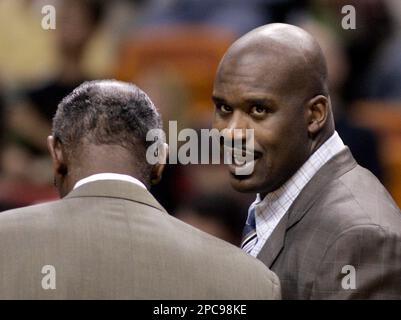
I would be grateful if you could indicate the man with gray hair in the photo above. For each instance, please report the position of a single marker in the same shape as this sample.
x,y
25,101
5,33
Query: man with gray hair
x,y
108,238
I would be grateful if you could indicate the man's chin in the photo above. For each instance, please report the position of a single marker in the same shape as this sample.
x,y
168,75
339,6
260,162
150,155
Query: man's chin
x,y
243,183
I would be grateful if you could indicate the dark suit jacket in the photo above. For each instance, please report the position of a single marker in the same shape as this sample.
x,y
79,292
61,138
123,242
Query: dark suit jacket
x,y
343,219
113,240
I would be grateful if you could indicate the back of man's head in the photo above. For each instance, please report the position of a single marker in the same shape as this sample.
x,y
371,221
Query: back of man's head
x,y
101,127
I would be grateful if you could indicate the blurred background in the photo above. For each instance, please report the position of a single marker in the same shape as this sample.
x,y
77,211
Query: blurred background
x,y
171,48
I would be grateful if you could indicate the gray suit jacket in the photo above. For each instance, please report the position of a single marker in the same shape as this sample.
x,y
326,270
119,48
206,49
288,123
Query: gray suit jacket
x,y
113,240
341,238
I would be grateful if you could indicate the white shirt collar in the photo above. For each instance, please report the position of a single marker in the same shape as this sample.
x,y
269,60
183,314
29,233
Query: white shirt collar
x,y
270,210
109,176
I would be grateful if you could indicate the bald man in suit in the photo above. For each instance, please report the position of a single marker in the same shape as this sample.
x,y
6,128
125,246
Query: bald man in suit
x,y
108,238
325,225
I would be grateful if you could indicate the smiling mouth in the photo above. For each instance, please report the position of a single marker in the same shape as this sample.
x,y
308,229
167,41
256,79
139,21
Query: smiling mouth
x,y
241,157
243,162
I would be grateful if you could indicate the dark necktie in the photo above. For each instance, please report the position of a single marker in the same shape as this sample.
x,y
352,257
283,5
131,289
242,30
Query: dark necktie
x,y
249,236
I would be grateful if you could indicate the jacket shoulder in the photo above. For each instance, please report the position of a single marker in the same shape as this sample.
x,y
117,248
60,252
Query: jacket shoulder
x,y
357,198
26,212
241,273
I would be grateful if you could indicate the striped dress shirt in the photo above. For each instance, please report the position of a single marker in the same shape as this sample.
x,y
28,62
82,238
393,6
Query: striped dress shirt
x,y
270,210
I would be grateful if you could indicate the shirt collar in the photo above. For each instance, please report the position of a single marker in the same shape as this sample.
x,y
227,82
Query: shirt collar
x,y
323,154
287,193
270,210
109,176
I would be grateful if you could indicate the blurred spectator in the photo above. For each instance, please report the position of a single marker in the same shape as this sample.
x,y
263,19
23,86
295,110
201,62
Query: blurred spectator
x,y
26,175
31,119
218,214
238,15
373,27
235,15
26,52
362,142
384,77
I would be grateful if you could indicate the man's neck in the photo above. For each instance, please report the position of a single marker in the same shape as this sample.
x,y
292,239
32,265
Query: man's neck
x,y
320,140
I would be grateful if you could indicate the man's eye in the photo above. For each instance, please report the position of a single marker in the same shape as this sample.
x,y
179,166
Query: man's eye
x,y
224,108
258,110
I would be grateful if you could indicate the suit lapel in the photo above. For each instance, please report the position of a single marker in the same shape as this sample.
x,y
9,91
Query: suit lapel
x,y
334,168
274,244
116,189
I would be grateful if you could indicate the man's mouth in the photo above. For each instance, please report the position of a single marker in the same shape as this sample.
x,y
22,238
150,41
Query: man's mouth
x,y
242,161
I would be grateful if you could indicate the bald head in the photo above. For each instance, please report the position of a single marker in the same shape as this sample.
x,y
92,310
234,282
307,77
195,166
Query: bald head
x,y
292,53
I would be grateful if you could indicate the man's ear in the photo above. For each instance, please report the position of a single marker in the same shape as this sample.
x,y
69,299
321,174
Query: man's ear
x,y
56,152
158,168
318,109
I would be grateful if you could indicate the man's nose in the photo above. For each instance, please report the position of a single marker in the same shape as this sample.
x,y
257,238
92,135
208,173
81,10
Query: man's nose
x,y
236,128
